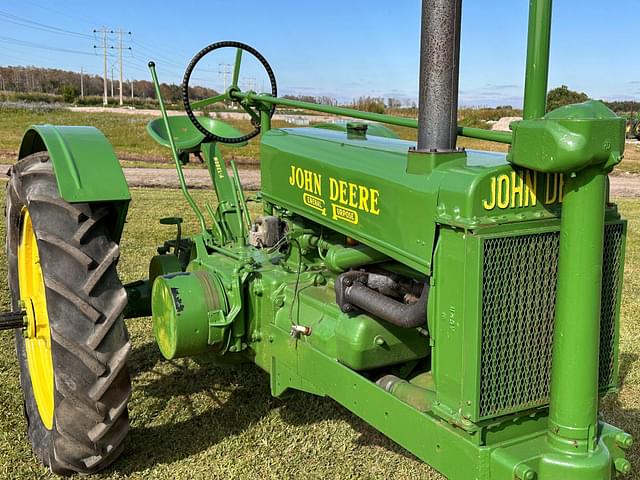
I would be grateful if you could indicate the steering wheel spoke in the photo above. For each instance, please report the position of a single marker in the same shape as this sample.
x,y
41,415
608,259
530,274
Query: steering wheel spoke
x,y
247,105
208,101
236,68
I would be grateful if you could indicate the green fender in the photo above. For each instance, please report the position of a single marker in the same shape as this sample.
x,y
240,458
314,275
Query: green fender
x,y
85,166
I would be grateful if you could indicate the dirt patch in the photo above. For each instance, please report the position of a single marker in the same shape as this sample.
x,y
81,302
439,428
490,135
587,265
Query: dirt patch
x,y
293,118
625,185
195,178
502,125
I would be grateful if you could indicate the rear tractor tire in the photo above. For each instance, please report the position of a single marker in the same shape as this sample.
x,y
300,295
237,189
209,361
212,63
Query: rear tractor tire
x,y
74,349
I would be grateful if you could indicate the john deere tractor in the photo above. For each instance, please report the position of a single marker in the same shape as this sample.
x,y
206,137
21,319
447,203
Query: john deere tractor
x,y
464,303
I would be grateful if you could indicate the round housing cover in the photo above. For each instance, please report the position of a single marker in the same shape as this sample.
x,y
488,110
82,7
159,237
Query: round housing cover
x,y
182,306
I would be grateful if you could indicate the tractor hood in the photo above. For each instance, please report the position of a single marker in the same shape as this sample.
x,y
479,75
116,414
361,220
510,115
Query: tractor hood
x,y
359,186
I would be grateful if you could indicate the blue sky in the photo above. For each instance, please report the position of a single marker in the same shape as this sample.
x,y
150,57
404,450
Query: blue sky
x,y
341,48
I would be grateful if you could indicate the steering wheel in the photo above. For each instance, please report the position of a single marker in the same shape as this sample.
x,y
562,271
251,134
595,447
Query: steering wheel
x,y
255,116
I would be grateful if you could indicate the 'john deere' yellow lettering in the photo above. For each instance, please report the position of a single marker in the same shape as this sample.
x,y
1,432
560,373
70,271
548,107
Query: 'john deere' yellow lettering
x,y
306,180
520,189
351,196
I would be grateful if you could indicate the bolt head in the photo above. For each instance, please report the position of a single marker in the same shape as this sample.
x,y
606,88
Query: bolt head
x,y
622,465
624,440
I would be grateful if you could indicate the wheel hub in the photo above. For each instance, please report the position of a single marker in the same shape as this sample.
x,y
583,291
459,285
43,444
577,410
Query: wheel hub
x,y
37,333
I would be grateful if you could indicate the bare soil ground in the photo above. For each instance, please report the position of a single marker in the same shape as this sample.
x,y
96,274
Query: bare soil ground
x,y
239,115
195,178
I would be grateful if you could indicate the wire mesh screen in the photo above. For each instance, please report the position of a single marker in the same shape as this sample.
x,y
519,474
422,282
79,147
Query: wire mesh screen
x,y
518,308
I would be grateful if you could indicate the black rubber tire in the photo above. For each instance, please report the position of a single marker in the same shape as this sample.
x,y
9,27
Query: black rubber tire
x,y
85,301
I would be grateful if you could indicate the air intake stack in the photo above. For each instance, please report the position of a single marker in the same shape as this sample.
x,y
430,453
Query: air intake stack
x,y
439,72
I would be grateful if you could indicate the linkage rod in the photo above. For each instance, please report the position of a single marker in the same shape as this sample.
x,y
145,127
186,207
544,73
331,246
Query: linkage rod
x,y
174,151
470,132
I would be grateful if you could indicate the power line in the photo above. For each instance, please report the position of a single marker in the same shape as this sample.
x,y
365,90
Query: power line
x,y
40,26
24,43
154,54
152,50
35,27
65,14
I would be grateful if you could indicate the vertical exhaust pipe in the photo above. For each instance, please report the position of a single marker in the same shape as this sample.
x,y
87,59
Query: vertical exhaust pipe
x,y
538,44
439,72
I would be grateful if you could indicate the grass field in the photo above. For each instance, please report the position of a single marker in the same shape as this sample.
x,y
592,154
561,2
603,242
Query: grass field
x,y
127,133
135,148
194,420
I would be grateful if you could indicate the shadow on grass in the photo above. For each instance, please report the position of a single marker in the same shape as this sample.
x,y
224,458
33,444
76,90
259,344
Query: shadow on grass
x,y
235,397
627,419
305,409
240,396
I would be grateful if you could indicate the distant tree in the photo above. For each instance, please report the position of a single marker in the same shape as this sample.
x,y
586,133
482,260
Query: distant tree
x,y
561,96
302,98
69,93
326,100
393,103
624,106
369,104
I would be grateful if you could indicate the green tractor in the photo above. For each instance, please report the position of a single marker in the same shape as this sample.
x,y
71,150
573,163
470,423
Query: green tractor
x,y
464,303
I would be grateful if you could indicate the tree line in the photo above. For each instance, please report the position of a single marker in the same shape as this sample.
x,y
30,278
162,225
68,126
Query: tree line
x,y
71,84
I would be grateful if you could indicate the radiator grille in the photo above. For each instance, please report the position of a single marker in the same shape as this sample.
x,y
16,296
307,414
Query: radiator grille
x,y
518,308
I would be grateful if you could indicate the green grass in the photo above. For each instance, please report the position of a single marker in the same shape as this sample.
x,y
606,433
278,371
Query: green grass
x,y
194,420
127,133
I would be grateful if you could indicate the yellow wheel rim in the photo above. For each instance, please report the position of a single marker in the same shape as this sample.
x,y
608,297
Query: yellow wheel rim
x,y
37,334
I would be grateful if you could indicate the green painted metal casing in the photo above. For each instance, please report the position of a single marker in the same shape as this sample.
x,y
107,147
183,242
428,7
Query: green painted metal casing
x,y
185,307
569,139
363,343
85,166
361,188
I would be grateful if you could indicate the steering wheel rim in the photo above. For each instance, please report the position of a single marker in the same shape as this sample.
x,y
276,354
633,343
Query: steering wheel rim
x,y
185,89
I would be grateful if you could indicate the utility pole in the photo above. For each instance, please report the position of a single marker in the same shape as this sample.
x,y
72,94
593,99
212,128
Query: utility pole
x,y
224,69
103,30
81,82
111,81
120,59
249,83
120,48
131,89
